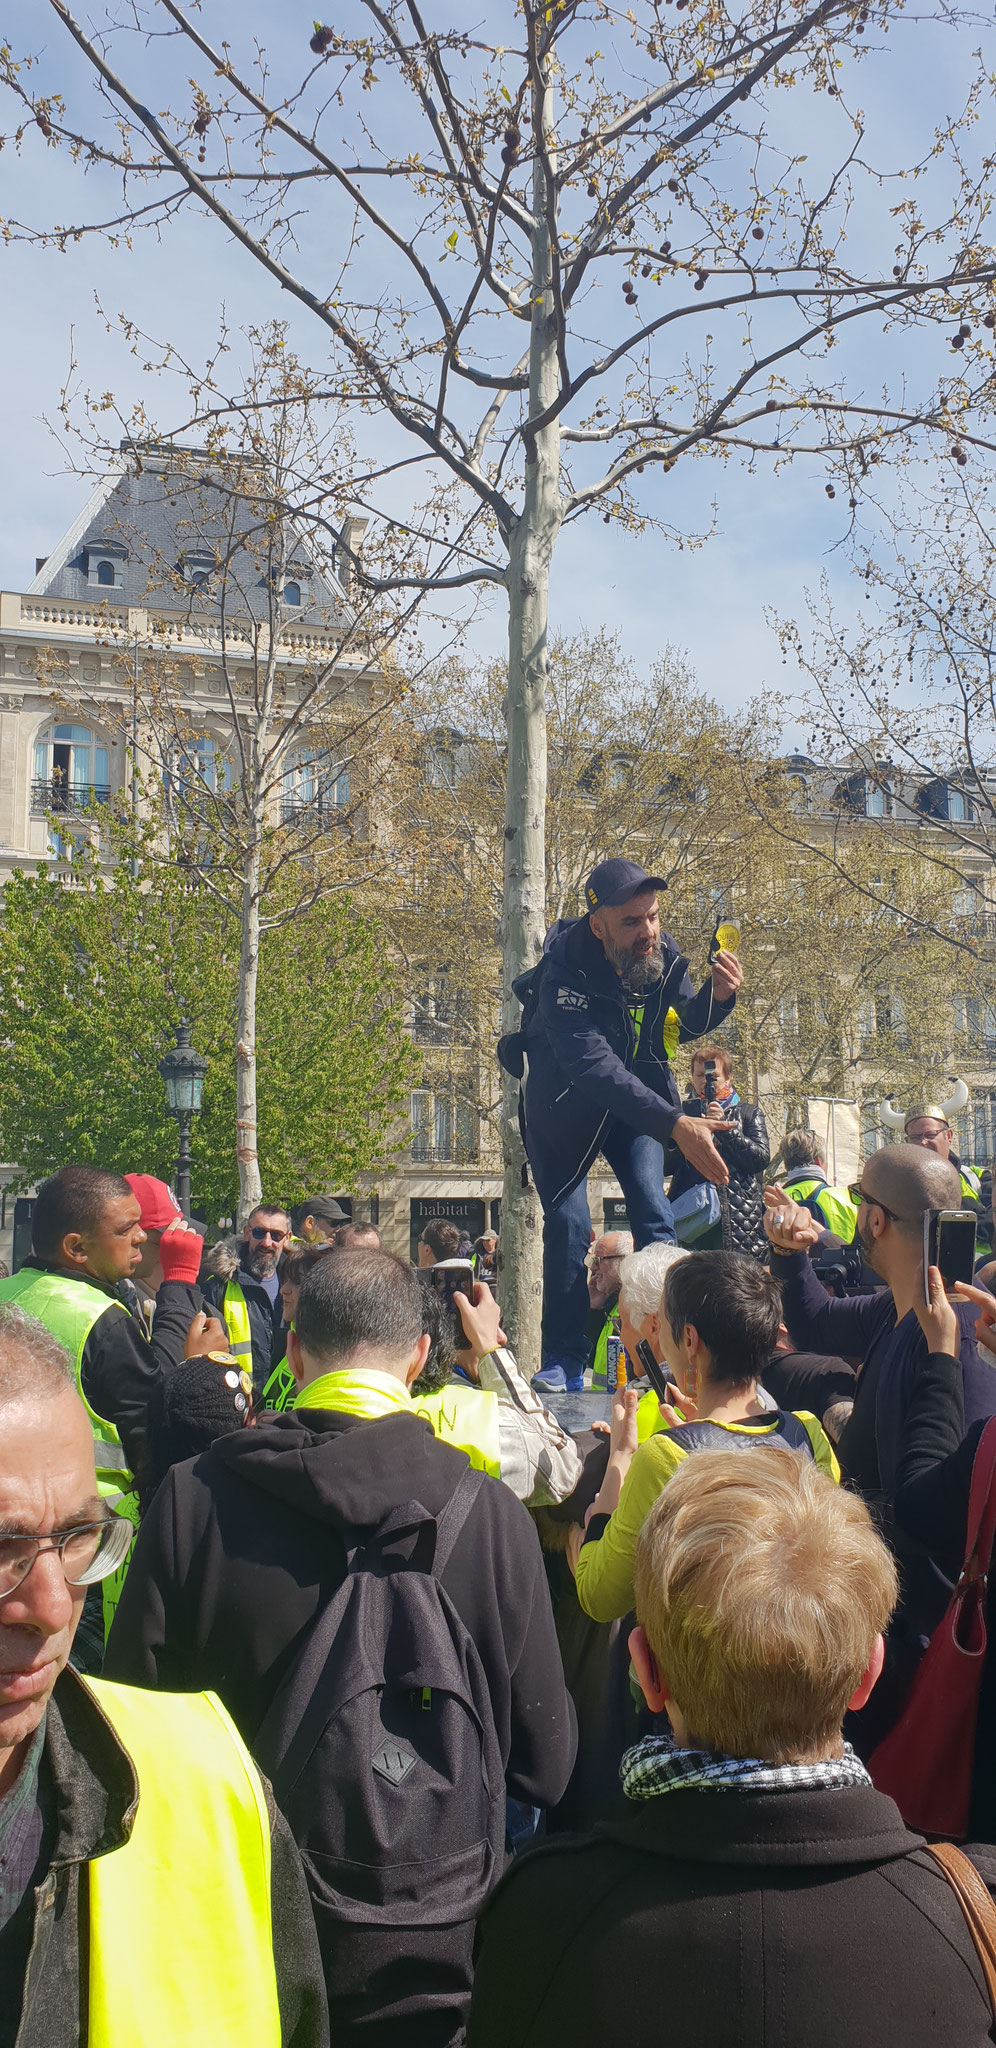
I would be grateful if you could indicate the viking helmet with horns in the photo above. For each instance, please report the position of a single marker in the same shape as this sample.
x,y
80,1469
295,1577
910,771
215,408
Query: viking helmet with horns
x,y
944,1111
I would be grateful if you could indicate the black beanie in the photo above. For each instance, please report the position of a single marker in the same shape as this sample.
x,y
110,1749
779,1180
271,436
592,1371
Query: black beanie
x,y
194,1404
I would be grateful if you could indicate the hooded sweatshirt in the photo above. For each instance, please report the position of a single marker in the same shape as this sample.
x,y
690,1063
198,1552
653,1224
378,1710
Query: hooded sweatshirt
x,y
242,1546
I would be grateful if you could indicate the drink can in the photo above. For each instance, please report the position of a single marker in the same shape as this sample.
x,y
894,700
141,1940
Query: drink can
x,y
613,1363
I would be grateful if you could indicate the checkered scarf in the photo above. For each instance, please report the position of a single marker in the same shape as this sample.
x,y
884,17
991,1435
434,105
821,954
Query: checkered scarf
x,y
654,1766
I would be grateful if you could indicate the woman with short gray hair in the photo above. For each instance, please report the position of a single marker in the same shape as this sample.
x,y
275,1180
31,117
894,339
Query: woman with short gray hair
x,y
642,1277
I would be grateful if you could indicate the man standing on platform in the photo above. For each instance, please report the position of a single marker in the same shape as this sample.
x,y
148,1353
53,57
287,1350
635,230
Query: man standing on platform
x,y
603,1014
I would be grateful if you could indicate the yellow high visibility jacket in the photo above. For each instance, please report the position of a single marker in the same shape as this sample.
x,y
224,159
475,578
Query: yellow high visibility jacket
x,y
235,1312
69,1309
831,1206
181,1939
468,1418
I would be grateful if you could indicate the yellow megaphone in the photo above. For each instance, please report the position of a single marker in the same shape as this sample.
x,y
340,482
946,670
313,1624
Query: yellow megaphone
x,y
725,939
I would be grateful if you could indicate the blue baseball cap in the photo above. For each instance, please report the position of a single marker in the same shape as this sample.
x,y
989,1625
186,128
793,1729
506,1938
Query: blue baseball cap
x,y
615,881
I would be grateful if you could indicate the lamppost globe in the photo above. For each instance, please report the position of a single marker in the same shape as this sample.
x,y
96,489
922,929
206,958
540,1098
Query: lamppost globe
x,y
183,1071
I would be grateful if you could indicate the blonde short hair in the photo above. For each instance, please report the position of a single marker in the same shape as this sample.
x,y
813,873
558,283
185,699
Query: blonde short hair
x,y
762,1587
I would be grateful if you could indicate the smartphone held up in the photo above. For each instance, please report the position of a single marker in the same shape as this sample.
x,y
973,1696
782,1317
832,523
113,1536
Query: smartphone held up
x,y
949,1244
450,1277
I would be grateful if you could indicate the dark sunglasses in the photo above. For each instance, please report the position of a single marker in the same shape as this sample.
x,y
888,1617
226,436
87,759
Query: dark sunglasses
x,y
258,1232
857,1194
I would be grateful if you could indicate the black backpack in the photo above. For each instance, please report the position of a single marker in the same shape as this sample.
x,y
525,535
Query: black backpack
x,y
381,1744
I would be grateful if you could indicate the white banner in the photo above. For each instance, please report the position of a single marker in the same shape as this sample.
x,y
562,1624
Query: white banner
x,y
838,1126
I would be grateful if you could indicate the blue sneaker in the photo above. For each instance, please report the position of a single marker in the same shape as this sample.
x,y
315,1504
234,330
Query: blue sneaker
x,y
555,1378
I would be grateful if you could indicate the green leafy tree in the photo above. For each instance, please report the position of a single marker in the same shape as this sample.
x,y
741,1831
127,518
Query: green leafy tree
x,y
93,977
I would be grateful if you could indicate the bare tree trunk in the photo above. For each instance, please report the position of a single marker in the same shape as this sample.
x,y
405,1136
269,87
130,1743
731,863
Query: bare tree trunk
x,y
524,900
250,1185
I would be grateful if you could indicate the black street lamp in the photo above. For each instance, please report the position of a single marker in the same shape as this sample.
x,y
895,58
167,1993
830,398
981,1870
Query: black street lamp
x,y
183,1071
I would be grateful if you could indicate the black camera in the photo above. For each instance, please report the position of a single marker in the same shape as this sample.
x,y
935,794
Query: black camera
x,y
841,1267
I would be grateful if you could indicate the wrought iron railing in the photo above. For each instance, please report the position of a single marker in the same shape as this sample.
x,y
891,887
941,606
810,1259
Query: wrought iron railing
x,y
63,796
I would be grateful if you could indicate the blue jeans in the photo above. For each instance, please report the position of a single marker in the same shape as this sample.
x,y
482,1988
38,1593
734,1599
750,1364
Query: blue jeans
x,y
638,1165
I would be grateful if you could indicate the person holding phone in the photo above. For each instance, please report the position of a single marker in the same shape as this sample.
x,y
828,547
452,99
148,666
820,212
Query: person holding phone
x,y
934,1480
718,1321
603,1013
881,1331
741,1136
471,1393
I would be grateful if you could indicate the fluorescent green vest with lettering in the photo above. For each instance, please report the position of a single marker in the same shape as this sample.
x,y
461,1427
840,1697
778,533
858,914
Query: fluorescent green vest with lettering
x,y
180,1926
236,1314
467,1418
69,1309
835,1205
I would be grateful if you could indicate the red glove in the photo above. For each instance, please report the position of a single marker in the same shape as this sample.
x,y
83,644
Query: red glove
x,y
180,1253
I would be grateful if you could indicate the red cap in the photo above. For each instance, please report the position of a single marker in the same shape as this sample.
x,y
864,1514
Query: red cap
x,y
156,1201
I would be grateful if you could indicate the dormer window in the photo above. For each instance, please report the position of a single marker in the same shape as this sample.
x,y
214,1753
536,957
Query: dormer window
x,y
105,562
292,593
197,567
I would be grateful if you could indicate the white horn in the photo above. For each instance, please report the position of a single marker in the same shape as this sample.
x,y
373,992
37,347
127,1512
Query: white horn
x,y
956,1101
893,1117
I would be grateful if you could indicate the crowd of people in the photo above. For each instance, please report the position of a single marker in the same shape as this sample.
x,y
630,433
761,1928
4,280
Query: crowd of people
x,y
346,1695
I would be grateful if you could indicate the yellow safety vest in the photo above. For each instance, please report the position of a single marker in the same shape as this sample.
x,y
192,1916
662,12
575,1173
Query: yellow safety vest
x,y
69,1309
468,1418
280,1389
837,1211
648,1416
670,1029
181,1936
235,1311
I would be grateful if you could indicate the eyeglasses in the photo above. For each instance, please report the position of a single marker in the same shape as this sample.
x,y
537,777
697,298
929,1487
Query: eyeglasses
x,y
857,1194
91,1552
259,1233
604,1259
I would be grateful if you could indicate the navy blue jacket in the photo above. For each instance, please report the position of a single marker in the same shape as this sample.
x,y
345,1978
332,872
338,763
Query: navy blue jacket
x,y
890,1355
584,1067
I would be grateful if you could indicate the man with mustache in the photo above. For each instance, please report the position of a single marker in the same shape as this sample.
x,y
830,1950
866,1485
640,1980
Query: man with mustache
x,y
603,1015
127,1819
248,1300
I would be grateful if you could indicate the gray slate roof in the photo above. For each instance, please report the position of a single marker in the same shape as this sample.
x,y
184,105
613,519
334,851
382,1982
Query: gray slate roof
x,y
162,513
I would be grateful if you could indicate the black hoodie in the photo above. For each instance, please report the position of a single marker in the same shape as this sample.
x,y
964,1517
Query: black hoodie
x,y
242,1546
240,1549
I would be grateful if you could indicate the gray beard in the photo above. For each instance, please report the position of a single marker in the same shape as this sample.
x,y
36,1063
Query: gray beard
x,y
637,972
262,1265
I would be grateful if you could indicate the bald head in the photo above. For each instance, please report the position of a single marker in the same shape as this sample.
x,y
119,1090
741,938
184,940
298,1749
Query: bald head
x,y
908,1180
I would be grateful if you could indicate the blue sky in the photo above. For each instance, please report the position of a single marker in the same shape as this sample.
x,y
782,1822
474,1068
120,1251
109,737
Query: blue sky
x,y
775,534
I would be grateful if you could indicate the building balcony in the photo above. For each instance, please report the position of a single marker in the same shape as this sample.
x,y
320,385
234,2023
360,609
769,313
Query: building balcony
x,y
62,796
320,815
